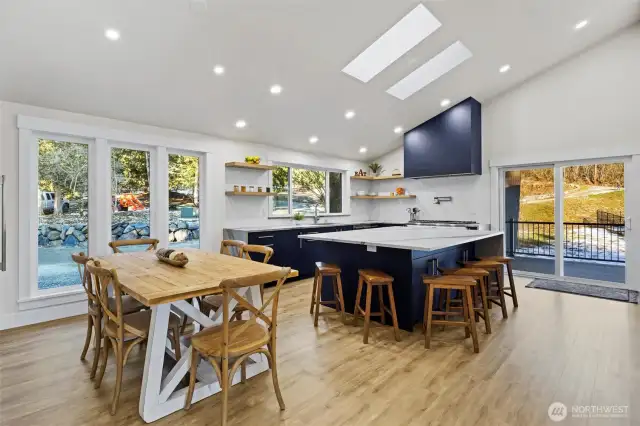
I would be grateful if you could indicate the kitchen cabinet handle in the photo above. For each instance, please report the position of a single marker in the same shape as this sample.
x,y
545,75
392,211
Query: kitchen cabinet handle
x,y
3,264
265,236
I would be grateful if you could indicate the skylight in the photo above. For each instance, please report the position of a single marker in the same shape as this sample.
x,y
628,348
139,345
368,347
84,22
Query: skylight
x,y
398,40
435,68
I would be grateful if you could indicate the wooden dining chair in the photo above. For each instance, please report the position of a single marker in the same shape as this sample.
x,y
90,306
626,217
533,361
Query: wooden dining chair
x,y
226,247
152,244
121,332
213,302
94,312
239,339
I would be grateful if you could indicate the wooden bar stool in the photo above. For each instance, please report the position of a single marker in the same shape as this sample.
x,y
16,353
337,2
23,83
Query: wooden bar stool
x,y
447,283
512,287
482,278
326,270
495,267
379,279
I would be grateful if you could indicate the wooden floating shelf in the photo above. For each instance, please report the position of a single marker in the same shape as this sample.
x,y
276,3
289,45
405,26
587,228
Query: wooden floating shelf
x,y
251,194
240,165
376,177
382,197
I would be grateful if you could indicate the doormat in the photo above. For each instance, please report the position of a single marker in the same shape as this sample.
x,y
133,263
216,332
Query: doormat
x,y
618,294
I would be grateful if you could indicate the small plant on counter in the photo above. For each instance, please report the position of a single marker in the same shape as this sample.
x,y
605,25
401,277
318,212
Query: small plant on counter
x,y
298,216
376,168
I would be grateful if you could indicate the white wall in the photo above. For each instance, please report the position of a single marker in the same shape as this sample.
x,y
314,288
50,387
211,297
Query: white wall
x,y
226,211
587,107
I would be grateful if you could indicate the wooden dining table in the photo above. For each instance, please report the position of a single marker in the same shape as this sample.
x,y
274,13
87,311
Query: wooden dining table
x,y
168,290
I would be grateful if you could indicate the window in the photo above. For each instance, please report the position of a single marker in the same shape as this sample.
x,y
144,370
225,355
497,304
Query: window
x,y
184,201
130,197
300,190
63,226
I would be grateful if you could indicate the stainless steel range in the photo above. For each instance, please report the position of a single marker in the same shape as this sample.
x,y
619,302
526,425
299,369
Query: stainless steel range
x,y
445,223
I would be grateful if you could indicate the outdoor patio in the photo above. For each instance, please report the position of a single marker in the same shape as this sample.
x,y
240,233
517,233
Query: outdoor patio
x,y
593,270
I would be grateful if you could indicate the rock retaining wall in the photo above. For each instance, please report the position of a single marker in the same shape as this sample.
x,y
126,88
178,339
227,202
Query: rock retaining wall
x,y
76,234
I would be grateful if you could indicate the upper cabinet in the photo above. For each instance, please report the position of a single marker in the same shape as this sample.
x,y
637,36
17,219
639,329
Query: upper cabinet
x,y
448,144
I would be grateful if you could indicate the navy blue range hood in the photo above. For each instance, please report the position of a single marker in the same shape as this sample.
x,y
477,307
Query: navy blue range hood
x,y
449,144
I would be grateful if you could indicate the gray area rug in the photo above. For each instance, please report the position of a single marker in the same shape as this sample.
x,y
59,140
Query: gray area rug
x,y
619,294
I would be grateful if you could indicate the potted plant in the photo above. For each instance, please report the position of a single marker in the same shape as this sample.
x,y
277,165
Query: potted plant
x,y
376,168
298,217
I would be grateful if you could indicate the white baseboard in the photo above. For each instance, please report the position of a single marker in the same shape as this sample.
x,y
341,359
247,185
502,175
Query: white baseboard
x,y
35,316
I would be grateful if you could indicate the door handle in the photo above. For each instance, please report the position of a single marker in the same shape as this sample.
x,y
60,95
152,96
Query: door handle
x,y
3,264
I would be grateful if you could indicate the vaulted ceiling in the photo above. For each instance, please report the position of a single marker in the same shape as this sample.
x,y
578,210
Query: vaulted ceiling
x,y
160,72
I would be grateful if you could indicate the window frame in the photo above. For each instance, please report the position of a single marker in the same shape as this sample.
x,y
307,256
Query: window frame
x,y
291,166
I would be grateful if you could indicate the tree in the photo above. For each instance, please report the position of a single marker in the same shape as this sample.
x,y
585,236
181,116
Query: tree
x,y
312,181
63,169
184,174
129,170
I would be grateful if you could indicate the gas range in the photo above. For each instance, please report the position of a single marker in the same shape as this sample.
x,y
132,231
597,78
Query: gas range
x,y
446,223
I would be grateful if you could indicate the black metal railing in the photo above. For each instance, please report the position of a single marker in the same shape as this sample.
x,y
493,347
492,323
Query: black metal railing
x,y
587,241
609,218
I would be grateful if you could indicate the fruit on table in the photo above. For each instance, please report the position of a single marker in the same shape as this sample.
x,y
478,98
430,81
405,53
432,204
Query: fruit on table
x,y
252,159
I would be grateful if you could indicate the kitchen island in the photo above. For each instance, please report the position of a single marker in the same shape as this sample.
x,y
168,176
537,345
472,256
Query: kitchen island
x,y
406,253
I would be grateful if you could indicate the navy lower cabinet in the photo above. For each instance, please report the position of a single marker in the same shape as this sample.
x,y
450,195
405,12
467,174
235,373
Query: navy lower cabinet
x,y
293,252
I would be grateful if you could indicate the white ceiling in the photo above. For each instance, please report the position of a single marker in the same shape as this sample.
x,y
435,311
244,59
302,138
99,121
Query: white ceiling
x,y
54,54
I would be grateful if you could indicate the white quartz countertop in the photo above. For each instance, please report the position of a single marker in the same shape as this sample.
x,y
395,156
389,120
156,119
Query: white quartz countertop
x,y
283,227
409,238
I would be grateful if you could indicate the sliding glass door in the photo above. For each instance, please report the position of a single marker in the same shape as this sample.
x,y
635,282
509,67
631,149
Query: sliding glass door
x,y
567,219
594,221
529,211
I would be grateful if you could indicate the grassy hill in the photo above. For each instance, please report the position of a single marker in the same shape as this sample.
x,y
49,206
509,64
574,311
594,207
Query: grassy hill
x,y
576,209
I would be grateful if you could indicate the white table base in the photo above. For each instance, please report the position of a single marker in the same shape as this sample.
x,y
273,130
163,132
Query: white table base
x,y
158,397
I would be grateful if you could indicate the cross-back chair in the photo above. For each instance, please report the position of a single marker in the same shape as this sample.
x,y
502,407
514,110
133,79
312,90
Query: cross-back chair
x,y
238,340
152,244
213,302
232,247
121,331
94,312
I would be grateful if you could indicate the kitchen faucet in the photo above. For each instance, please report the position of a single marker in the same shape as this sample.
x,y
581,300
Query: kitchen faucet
x,y
315,215
413,214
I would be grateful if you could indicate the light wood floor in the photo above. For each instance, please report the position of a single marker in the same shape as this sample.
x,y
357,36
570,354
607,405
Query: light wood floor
x,y
555,347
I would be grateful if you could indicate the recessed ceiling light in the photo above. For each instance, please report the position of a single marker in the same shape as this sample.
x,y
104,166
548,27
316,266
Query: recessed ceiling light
x,y
580,25
435,68
241,124
276,89
398,40
445,103
398,129
363,149
112,34
349,115
505,68
313,139
218,70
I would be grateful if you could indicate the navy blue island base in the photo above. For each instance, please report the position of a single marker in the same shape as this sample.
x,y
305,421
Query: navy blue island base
x,y
406,267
